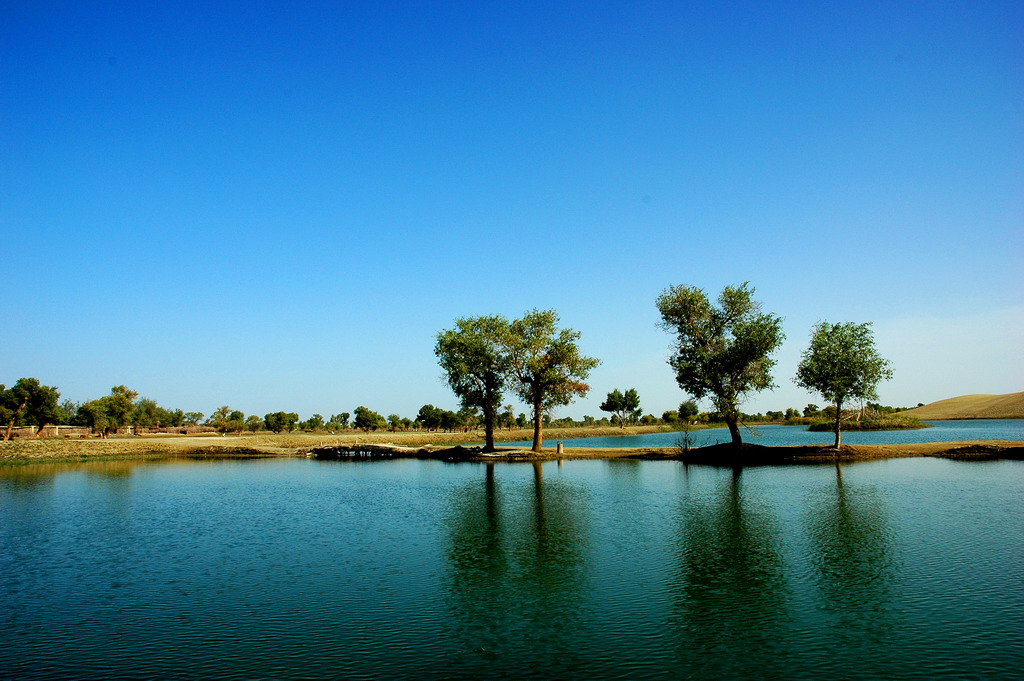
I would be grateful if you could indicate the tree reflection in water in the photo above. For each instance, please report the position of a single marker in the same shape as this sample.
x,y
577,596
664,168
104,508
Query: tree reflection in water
x,y
515,576
853,560
730,593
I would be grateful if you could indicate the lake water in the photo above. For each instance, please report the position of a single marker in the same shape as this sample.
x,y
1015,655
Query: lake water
x,y
777,435
295,568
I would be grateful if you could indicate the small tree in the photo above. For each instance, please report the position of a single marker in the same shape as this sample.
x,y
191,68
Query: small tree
x,y
476,363
688,410
280,421
29,402
720,352
429,417
546,366
367,420
107,414
314,423
842,364
625,406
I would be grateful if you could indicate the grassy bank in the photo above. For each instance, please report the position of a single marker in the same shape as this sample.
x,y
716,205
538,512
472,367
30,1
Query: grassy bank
x,y
272,444
440,446
890,422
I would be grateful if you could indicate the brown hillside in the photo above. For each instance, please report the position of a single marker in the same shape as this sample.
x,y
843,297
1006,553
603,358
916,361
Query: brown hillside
x,y
1009,406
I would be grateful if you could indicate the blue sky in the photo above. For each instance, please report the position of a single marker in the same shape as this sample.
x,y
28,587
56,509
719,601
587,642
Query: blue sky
x,y
279,205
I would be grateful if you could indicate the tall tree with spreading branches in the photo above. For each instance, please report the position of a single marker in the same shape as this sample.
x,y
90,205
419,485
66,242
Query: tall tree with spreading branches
x,y
724,351
546,367
841,364
624,405
476,364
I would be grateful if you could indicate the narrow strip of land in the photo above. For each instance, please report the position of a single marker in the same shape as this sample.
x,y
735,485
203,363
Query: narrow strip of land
x,y
452,447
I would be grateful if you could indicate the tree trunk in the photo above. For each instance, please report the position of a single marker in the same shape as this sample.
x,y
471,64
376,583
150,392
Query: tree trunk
x,y
734,429
488,430
839,416
538,425
10,424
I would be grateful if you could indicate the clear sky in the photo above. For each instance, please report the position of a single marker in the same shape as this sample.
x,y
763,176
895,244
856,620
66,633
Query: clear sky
x,y
277,205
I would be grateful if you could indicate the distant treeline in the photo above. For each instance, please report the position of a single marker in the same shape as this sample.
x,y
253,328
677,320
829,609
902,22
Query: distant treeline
x,y
29,403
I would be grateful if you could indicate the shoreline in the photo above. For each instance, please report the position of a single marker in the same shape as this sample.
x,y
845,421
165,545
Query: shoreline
x,y
452,447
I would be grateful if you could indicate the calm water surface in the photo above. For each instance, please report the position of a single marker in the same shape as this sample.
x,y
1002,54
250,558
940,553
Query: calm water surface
x,y
292,568
775,436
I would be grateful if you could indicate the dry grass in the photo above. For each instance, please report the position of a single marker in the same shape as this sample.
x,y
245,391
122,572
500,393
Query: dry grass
x,y
272,444
1009,406
170,447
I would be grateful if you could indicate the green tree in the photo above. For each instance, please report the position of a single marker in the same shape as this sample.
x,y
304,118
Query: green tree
x,y
449,421
546,367
475,362
314,423
341,420
108,414
193,418
721,352
841,364
254,423
625,406
68,412
429,417
147,413
30,403
367,420
280,421
688,410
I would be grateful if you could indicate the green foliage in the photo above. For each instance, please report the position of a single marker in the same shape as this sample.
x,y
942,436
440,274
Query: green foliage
x,y
721,352
340,420
367,420
227,420
254,424
28,402
280,421
688,410
476,365
546,366
149,414
449,421
429,417
671,416
313,423
625,406
876,422
109,414
841,364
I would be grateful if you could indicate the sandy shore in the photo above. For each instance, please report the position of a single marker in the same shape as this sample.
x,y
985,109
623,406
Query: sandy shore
x,y
442,446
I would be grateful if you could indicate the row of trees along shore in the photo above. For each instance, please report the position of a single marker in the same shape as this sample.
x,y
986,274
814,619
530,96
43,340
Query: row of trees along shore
x,y
721,351
111,414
